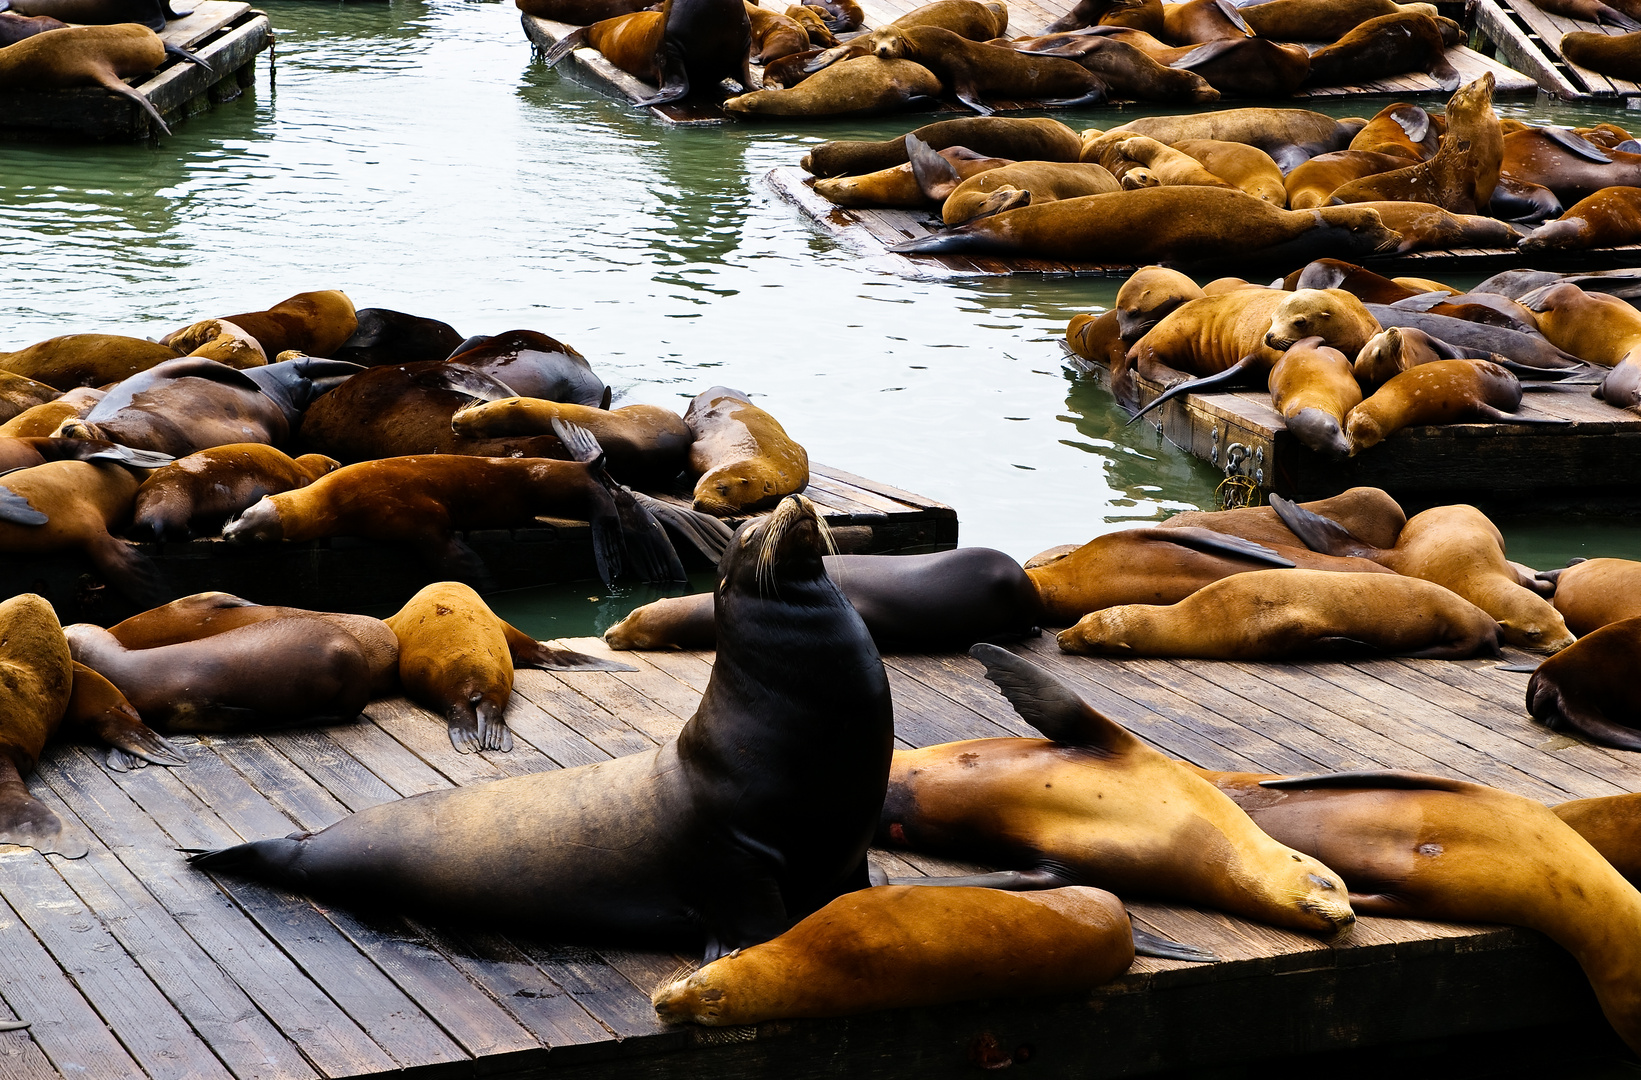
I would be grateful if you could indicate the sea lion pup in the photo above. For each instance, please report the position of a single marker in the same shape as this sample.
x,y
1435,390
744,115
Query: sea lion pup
x,y
774,35
195,495
648,445
90,56
1034,139
274,673
759,812
1244,166
456,658
1425,847
395,409
385,336
939,600
1175,224
1462,174
1269,129
972,71
1305,20
1391,352
1386,46
1440,392
1127,71
1590,688
1159,566
1091,804
1313,182
534,365
1423,226
1024,183
315,323
1313,387
39,677
1453,546
71,506
745,459
1291,614
908,186
1592,593
898,946
85,359
1618,55
1609,218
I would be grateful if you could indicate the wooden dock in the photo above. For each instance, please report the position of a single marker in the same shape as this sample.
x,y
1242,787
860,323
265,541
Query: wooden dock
x,y
130,964
1529,39
225,34
350,574
1583,465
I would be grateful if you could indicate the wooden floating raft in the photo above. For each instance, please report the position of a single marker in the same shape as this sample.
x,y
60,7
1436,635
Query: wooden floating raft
x,y
129,964
225,34
1582,465
350,574
1529,38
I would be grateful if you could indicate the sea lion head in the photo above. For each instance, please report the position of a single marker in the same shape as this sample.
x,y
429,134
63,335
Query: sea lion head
x,y
890,44
1381,358
1336,316
736,487
1563,233
259,524
784,547
1151,293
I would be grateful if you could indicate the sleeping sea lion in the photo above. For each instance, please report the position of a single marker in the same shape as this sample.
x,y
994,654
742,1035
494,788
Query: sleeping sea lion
x,y
222,341
90,56
1313,387
535,365
1127,71
908,186
39,421
1368,512
1595,592
1440,392
39,677
700,43
71,506
1313,183
315,323
1391,352
759,812
648,445
1617,55
1423,226
972,71
1269,129
1402,130
1024,183
1567,163
195,495
85,359
14,27
1386,46
1306,20
744,458
1244,166
1590,687
384,336
153,14
774,35
1195,22
1609,218
1015,138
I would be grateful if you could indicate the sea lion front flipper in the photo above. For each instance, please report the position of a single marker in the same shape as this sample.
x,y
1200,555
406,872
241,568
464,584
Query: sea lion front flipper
x,y
1322,534
108,82
674,85
18,510
706,533
136,459
1399,779
936,177
1168,949
1049,705
1191,386
27,821
528,652
1574,143
1215,543
1414,122
1520,669
968,96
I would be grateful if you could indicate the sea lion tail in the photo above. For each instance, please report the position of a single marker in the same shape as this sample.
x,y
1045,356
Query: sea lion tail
x,y
29,822
108,82
1320,533
178,53
566,45
275,861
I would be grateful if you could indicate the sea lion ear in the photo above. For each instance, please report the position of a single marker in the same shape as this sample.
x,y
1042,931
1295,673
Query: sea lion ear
x,y
1049,705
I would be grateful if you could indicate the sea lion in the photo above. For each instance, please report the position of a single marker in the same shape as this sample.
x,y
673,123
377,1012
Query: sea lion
x,y
1391,352
1456,547
1530,351
71,506
576,13
1168,165
1091,804
14,27
267,674
1127,71
1313,183
1290,614
1306,20
1159,566
1609,218
900,185
744,458
384,336
1522,202
1360,282
1617,55
456,657
195,495
1387,46
648,445
1149,295
1269,129
396,409
221,341
98,709
1611,824
1313,387
1368,512
898,946
1567,163
967,19
1462,174
1591,11
1598,329
631,42
943,599
18,394
1015,138
1440,392
1595,592
315,323
695,46
759,812
774,35
90,56
1196,22
85,359
39,677
820,35
840,16
1244,66
1424,847
1096,337
1023,183
1241,165
1424,226
535,365
1174,224
153,14
972,71
25,452
1590,688
1143,15
1401,130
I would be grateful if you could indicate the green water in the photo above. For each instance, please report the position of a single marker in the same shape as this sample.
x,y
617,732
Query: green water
x,y
416,156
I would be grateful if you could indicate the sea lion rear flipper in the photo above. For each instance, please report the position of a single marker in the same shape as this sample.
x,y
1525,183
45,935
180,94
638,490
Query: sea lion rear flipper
x,y
968,97
1499,416
1574,143
1550,707
1168,949
1320,533
704,532
177,53
528,652
565,46
267,860
18,510
108,82
1399,779
1214,543
644,543
138,740
1048,704
29,822
1042,877
935,175
1093,97
1192,386
1421,301
137,459
1445,74
1525,669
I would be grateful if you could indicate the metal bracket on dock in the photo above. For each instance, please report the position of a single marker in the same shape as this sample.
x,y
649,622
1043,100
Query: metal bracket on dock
x,y
1240,458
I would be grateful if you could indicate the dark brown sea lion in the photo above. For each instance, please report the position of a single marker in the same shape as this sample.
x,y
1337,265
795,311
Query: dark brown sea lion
x,y
943,599
1529,353
1618,55
897,946
1522,202
535,365
1590,11
1383,47
1128,72
1091,804
195,495
576,13
1423,226
1018,139
72,506
968,19
1314,182
18,394
1609,218
85,359
1590,687
1424,847
1360,282
1195,22
1567,163
396,409
14,27
1143,15
700,44
150,13
1291,614
39,676
393,337
1596,592
1440,392
98,709
758,813
1462,174
1245,66
1313,387
648,445
744,458
1391,352
315,323
1307,20
972,71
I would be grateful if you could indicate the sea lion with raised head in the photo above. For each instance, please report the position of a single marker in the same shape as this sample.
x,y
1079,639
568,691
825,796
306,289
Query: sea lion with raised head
x,y
1015,138
1464,171
195,495
85,359
758,813
743,457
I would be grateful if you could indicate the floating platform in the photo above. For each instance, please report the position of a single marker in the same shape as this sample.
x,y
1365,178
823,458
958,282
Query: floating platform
x,y
1582,465
130,964
1529,38
226,35
350,574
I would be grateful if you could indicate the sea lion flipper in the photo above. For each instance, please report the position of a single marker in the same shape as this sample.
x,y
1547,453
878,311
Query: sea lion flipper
x,y
1207,540
126,455
138,740
1168,949
645,545
1421,301
465,380
565,46
1499,416
1048,704
528,652
1203,54
108,82
1193,386
936,177
130,571
1399,779
1414,122
27,821
1042,877
1574,143
18,510
674,84
970,98
706,533
1446,75
1320,533
178,53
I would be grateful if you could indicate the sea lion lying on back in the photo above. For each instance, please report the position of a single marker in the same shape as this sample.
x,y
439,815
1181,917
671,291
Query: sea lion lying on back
x,y
744,458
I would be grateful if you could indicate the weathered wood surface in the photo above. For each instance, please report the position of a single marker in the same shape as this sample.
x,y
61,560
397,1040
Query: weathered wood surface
x,y
1583,464
350,574
225,33
1529,38
131,964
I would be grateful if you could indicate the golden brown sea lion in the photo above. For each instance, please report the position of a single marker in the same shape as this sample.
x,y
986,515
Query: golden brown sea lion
x,y
820,35
1590,687
1612,825
1567,163
1386,46
1598,329
1091,804
1268,129
1456,547
71,506
195,495
1368,512
1402,130
1168,165
693,47
1015,138
1148,296
901,186
1596,592
1289,614
19,394
1313,387
1423,847
1244,66
39,677
39,421
219,340
1022,183
86,56
1308,20
1195,22
315,323
1609,218
774,35
1440,392
745,459
972,71
1618,55
85,359
648,445
1096,337
864,84
1244,166
1423,226
897,946
1314,182
1462,174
